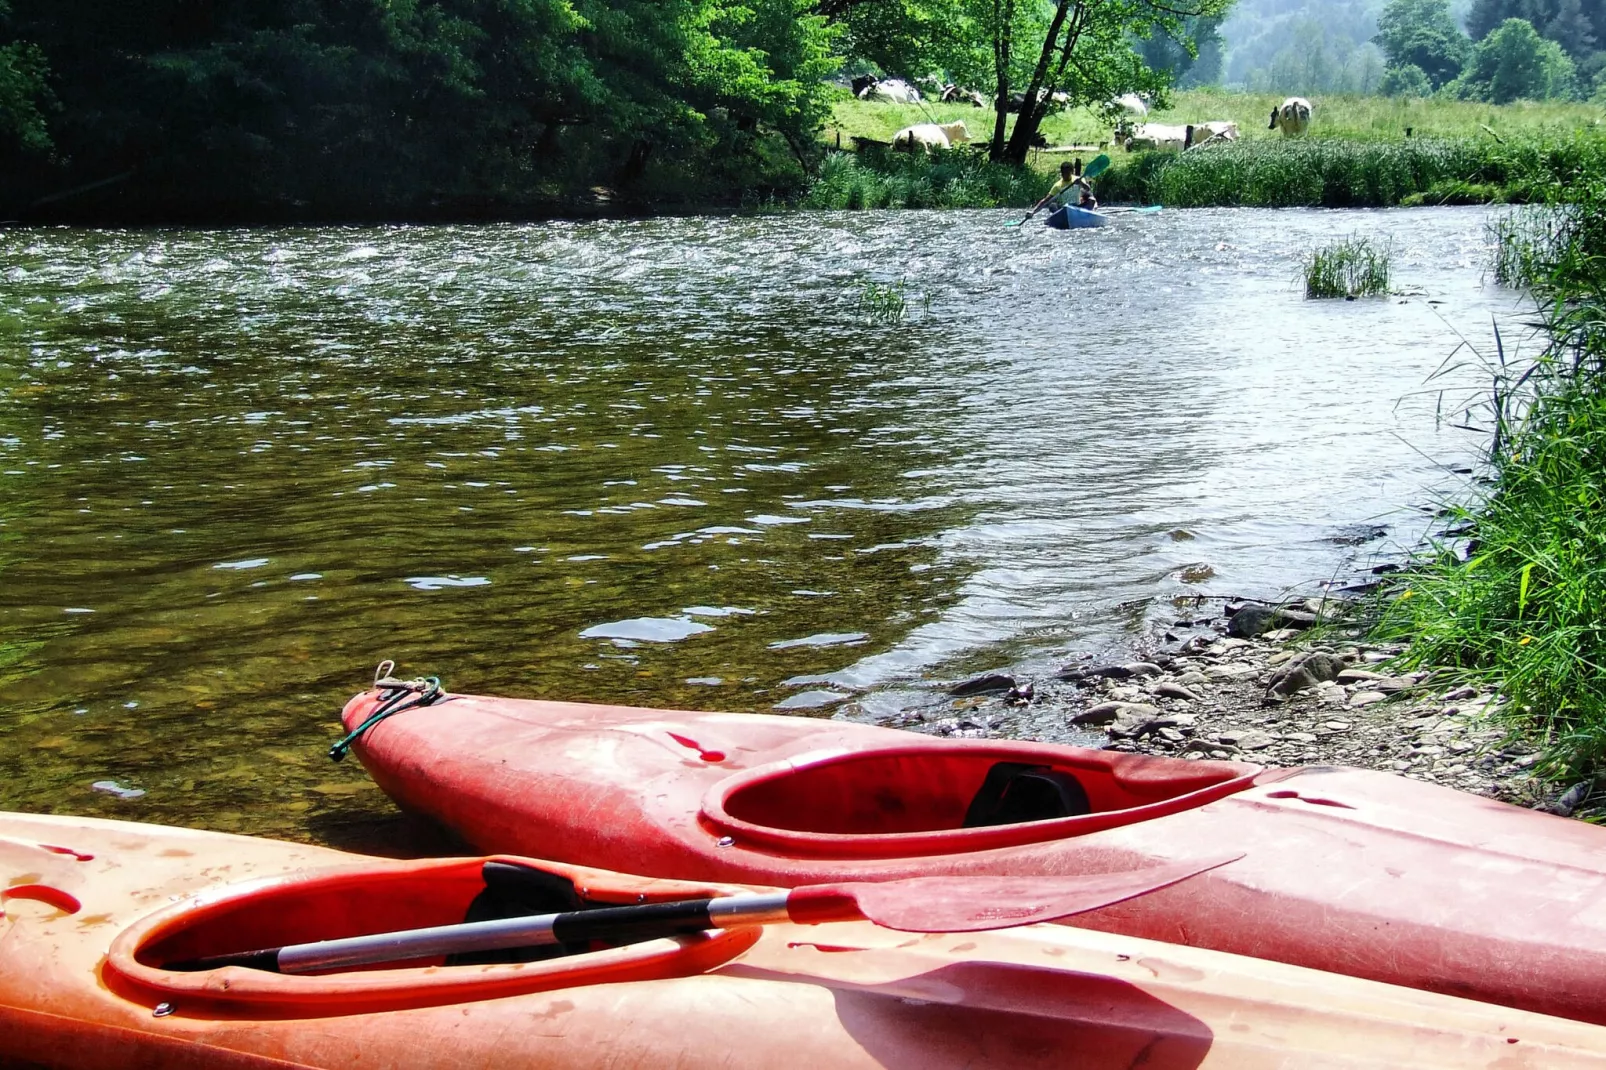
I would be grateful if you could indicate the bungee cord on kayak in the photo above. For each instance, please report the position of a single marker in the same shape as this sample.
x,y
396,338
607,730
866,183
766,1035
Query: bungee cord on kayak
x,y
399,695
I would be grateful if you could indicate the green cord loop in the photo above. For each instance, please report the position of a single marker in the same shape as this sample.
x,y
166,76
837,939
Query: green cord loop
x,y
405,695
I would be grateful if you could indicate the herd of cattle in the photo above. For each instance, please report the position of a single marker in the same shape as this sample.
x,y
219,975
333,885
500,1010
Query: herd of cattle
x,y
1128,113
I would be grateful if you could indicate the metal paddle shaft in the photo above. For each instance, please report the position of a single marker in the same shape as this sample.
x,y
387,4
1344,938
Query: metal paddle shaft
x,y
919,904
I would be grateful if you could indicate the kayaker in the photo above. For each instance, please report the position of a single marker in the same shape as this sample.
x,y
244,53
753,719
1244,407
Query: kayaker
x,y
1071,178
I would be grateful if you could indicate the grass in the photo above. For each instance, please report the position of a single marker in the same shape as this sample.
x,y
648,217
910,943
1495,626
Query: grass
x,y
883,304
883,179
1355,267
1359,154
1519,602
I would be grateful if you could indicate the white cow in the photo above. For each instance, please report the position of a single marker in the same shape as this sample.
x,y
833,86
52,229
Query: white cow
x,y
893,91
1128,104
1156,136
1292,118
931,136
1214,131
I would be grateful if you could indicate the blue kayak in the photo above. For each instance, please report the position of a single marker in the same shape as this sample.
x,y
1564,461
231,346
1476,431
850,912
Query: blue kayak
x,y
1070,217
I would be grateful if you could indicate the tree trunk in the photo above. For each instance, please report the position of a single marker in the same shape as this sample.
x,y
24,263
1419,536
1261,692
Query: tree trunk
x,y
1035,107
1003,44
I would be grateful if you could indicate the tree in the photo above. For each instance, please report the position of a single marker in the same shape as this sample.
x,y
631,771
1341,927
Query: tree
x,y
1085,49
1192,60
24,97
1423,34
1407,81
384,107
1515,63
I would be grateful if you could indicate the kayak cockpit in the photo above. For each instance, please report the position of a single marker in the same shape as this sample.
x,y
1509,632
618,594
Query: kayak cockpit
x,y
156,959
934,797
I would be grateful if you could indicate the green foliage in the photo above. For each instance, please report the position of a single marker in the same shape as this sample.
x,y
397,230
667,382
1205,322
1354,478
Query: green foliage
x,y
960,179
374,107
1407,81
1423,34
1195,58
1522,603
1312,173
1515,63
884,304
1306,47
24,96
1355,267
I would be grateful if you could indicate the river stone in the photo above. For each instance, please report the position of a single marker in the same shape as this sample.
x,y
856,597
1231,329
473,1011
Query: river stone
x,y
1193,679
1366,698
1251,621
983,685
1103,713
1355,676
1305,672
1172,689
1142,668
1102,672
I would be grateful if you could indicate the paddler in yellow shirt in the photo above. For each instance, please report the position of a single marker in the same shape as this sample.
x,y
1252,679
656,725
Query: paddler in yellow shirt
x,y
1071,178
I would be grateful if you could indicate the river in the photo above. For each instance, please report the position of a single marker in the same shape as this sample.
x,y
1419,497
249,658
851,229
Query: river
x,y
672,462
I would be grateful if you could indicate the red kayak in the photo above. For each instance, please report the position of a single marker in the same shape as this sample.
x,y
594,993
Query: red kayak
x,y
1347,870
109,933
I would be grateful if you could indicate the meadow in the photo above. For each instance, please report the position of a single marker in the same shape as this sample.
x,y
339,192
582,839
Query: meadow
x,y
1361,152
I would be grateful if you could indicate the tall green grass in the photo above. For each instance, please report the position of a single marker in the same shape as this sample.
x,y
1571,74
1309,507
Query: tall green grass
x,y
1520,601
883,179
1355,267
1309,173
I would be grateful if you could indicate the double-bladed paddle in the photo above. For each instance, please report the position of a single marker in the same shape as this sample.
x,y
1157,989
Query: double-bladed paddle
x,y
1100,164
919,904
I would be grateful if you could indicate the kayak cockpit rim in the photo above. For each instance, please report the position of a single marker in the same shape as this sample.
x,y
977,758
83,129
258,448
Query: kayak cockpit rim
x,y
934,797
342,901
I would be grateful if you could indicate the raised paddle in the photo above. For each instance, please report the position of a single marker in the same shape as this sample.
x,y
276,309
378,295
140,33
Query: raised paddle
x,y
1100,164
919,904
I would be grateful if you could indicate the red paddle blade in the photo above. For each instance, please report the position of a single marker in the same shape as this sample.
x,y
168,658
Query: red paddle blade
x,y
972,904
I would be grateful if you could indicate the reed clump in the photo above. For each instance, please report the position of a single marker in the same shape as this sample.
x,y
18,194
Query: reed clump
x,y
1518,599
884,303
1354,267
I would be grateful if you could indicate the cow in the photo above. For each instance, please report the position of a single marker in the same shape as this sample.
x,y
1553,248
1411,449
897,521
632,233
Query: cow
x,y
1292,117
1128,104
893,91
1156,136
952,94
1214,131
863,82
930,136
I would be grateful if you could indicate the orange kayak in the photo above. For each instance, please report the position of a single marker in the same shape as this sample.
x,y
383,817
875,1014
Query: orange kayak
x,y
1346,870
95,911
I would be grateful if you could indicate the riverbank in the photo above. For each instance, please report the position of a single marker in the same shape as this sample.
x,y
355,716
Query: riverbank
x,y
1211,687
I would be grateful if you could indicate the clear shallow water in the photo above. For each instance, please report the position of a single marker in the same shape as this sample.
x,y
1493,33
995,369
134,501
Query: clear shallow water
x,y
663,463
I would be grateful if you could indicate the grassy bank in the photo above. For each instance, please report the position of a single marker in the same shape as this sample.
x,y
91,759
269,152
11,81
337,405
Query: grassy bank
x,y
1518,599
1359,154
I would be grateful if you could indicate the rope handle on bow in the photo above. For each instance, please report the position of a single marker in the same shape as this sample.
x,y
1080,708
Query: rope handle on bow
x,y
399,695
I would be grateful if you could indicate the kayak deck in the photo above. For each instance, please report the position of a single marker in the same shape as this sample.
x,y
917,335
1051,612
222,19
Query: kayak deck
x,y
1345,870
87,987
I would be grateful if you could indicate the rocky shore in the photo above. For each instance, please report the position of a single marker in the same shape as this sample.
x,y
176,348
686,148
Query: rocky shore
x,y
1275,685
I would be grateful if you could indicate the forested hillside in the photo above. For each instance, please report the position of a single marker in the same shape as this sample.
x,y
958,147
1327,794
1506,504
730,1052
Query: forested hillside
x,y
285,108
1330,46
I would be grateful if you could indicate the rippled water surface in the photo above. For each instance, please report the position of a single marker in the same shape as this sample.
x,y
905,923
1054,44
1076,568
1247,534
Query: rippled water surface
x,y
663,463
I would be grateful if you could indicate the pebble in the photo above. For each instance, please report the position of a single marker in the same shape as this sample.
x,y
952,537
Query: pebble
x,y
1170,689
1366,698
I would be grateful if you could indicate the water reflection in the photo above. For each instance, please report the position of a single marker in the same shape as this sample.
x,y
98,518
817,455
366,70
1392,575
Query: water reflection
x,y
662,463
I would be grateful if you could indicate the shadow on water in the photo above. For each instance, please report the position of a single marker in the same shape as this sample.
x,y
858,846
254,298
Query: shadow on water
x,y
662,463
